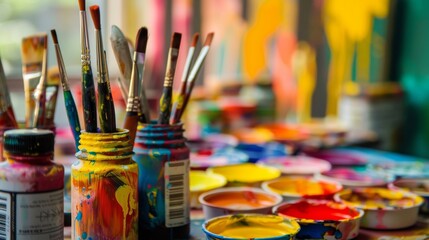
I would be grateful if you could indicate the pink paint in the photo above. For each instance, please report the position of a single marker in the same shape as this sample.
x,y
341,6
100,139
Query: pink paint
x,y
298,164
339,158
349,177
380,216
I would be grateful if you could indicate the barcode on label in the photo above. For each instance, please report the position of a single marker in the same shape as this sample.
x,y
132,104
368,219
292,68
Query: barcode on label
x,y
176,193
5,208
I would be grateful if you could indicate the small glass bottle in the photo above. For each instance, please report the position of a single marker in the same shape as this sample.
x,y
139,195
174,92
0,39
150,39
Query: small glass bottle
x,y
104,187
31,187
163,160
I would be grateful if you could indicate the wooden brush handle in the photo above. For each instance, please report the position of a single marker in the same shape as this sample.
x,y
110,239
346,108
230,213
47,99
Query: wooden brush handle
x,y
130,123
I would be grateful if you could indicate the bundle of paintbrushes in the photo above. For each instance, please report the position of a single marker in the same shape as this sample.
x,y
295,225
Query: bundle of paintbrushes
x,y
7,116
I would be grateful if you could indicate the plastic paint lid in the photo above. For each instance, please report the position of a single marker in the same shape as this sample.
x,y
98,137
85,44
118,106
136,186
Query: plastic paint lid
x,y
29,141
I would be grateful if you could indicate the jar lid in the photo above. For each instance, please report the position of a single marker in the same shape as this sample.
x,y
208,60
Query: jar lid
x,y
29,141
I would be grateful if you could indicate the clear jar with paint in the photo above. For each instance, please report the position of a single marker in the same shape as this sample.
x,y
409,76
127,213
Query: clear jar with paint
x,y
31,187
104,187
163,159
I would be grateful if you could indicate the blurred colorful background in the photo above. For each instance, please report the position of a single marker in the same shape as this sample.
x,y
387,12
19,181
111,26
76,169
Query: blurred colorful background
x,y
355,64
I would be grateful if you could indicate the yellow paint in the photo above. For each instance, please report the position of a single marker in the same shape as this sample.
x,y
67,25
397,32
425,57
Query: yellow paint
x,y
267,21
202,181
125,198
246,173
348,27
380,198
253,226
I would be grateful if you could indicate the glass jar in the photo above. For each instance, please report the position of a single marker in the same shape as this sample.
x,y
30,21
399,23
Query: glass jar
x,y
31,187
163,160
104,187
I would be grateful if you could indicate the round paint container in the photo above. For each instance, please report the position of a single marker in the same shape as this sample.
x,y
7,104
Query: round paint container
x,y
205,158
401,169
384,208
250,226
419,186
351,179
237,113
226,201
297,165
247,174
293,188
201,182
255,152
320,219
286,134
339,157
253,135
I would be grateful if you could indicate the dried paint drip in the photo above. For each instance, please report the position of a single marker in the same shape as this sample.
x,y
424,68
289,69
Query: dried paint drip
x,y
163,160
250,226
321,219
104,177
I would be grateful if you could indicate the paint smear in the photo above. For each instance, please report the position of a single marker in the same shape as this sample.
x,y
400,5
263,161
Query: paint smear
x,y
301,186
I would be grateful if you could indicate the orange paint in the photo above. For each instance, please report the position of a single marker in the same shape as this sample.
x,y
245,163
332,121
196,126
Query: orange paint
x,y
240,200
301,186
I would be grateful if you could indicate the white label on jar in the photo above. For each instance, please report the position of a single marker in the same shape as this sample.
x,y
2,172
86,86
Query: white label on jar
x,y
176,174
5,210
39,215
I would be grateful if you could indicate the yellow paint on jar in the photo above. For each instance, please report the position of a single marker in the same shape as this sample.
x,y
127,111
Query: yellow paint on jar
x,y
125,198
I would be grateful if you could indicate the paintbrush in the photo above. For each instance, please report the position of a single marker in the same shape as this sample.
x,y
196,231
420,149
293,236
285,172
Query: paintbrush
x,y
88,89
123,57
32,52
141,57
40,92
52,88
71,110
133,103
106,114
7,117
177,108
195,70
165,102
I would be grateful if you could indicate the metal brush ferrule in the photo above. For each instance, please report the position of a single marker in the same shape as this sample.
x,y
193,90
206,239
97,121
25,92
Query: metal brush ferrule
x,y
133,104
84,41
61,68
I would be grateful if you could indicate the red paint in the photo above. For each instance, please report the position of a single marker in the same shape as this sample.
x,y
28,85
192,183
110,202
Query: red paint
x,y
317,210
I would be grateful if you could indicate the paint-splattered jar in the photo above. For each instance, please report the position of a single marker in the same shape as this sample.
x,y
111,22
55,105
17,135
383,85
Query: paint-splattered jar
x,y
104,188
31,187
163,159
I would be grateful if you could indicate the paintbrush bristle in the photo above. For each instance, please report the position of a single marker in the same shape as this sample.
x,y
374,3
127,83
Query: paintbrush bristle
x,y
209,39
54,36
141,40
175,40
195,39
95,14
82,5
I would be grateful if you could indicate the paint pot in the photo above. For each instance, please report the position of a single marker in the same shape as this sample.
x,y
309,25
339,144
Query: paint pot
x,y
104,187
394,169
284,133
163,160
247,174
339,157
253,135
255,152
419,186
384,208
250,226
237,113
350,178
293,188
321,219
206,158
297,165
203,118
325,133
236,200
31,187
201,182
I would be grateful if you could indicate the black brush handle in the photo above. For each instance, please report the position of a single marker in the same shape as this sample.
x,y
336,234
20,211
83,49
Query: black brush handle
x,y
165,105
106,108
